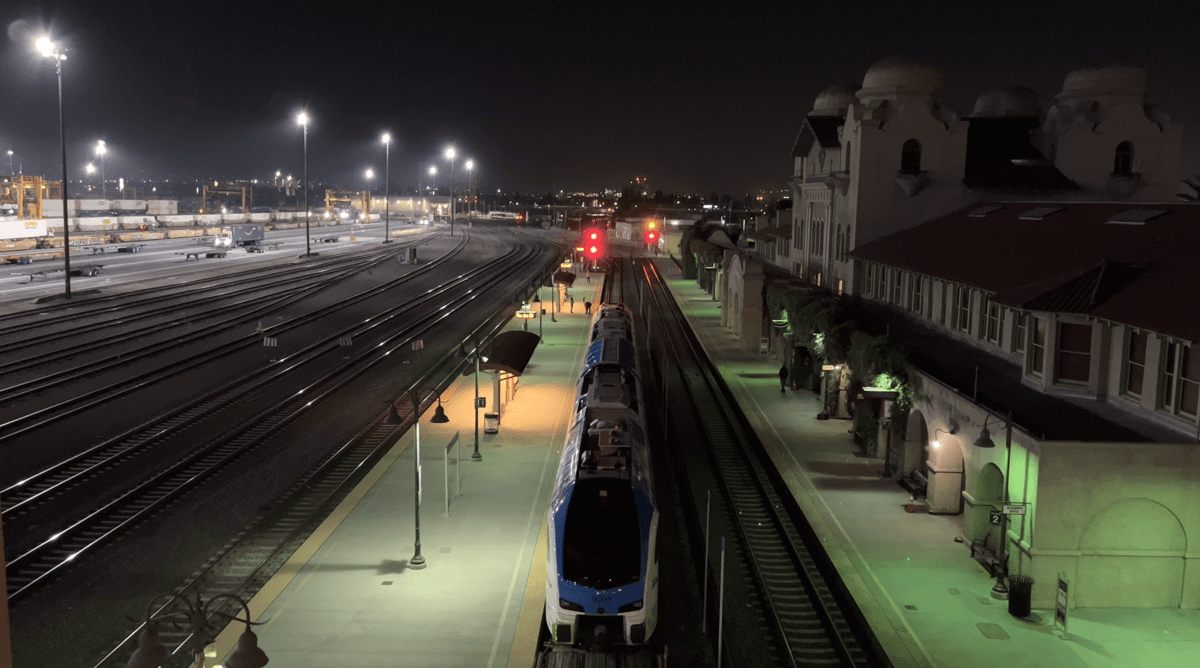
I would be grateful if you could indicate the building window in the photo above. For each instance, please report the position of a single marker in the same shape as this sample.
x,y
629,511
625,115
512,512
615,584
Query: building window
x,y
1180,380
910,157
993,317
1123,159
897,288
846,245
868,279
914,292
962,308
1073,361
1020,331
1135,362
880,283
798,234
1037,355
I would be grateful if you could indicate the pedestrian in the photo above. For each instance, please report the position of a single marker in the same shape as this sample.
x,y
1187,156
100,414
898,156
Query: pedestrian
x,y
587,308
589,277
783,374
572,304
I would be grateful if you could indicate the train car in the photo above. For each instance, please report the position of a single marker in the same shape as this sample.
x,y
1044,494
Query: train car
x,y
602,561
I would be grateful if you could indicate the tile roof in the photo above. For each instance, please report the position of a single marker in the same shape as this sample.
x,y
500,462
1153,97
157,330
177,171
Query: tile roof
x,y
1072,261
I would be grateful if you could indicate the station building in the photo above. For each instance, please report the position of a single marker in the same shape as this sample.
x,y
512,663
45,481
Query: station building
x,y
1046,249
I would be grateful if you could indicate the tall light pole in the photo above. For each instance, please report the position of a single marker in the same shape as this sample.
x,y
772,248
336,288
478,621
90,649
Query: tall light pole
x,y
49,49
302,119
450,153
387,205
1000,589
470,165
101,151
10,167
439,417
369,175
432,173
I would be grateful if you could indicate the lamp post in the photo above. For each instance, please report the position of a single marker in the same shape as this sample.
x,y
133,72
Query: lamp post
x,y
151,653
478,357
450,153
537,300
49,49
10,167
1000,590
90,169
470,165
439,417
101,151
432,173
302,119
387,205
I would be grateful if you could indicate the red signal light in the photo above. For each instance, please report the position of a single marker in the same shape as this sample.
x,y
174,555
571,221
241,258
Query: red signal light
x,y
595,245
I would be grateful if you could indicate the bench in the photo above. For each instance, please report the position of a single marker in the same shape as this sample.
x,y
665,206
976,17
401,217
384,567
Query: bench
x,y
916,483
988,554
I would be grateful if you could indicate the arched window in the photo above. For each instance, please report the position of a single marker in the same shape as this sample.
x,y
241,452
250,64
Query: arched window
x,y
1123,159
910,157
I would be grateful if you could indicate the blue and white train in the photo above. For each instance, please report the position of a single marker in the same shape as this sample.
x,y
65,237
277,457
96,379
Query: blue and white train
x,y
602,562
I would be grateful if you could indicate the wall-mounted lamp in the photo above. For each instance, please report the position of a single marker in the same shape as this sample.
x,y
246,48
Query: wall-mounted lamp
x,y
936,443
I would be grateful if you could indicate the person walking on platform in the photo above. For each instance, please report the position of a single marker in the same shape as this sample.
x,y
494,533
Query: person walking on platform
x,y
587,308
572,304
783,374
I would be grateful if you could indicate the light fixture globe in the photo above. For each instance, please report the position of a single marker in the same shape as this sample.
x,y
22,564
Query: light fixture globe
x,y
150,652
985,439
247,654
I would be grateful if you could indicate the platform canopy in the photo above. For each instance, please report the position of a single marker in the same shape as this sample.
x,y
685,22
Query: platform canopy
x,y
565,277
508,352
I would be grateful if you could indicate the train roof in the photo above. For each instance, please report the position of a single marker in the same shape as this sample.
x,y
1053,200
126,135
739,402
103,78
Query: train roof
x,y
617,351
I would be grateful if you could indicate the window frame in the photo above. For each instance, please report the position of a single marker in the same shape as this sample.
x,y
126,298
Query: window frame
x,y
914,292
1173,384
1037,351
1127,362
1063,355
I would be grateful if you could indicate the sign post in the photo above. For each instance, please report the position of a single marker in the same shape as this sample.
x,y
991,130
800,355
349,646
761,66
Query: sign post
x,y
1060,604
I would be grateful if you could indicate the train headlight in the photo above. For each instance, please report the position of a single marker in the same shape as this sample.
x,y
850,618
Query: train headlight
x,y
630,607
568,605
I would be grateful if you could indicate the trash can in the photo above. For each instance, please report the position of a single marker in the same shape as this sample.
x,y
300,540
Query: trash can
x,y
493,423
1020,595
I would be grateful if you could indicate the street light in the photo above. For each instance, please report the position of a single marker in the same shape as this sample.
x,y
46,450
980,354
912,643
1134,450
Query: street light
x,y
102,150
450,153
10,167
470,165
302,119
478,357
49,49
432,173
1000,590
439,417
151,653
387,205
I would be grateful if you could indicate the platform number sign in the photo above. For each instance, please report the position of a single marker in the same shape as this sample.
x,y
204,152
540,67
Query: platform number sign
x,y
994,517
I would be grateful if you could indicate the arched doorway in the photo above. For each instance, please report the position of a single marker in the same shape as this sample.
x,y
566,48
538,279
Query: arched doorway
x,y
913,453
1131,555
988,494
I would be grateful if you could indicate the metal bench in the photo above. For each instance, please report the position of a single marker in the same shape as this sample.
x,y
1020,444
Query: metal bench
x,y
916,483
989,555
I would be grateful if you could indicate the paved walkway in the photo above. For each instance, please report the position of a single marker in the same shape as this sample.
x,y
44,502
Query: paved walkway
x,y
349,598
927,600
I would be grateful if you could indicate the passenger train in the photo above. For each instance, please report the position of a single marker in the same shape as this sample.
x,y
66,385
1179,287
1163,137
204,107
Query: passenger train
x,y
602,561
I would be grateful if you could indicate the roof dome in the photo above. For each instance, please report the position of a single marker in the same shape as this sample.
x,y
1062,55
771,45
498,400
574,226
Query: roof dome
x,y
1013,102
834,100
901,74
1113,79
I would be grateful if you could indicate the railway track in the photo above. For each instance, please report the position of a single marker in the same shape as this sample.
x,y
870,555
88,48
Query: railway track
x,y
66,546
791,614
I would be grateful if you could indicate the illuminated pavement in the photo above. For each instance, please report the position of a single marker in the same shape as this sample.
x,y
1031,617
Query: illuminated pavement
x,y
348,598
927,600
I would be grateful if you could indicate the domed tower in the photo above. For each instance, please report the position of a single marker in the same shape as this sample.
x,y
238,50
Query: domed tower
x,y
1011,102
835,100
1102,134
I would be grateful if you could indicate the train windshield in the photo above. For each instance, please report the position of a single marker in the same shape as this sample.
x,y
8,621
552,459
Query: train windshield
x,y
602,546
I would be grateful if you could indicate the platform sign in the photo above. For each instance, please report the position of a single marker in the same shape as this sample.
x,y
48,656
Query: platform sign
x,y
1060,603
994,517
828,367
480,402
1018,509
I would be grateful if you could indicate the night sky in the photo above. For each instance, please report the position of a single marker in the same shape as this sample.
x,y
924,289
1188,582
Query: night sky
x,y
560,96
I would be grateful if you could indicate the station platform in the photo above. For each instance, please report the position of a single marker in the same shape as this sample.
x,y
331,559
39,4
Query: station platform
x,y
349,598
